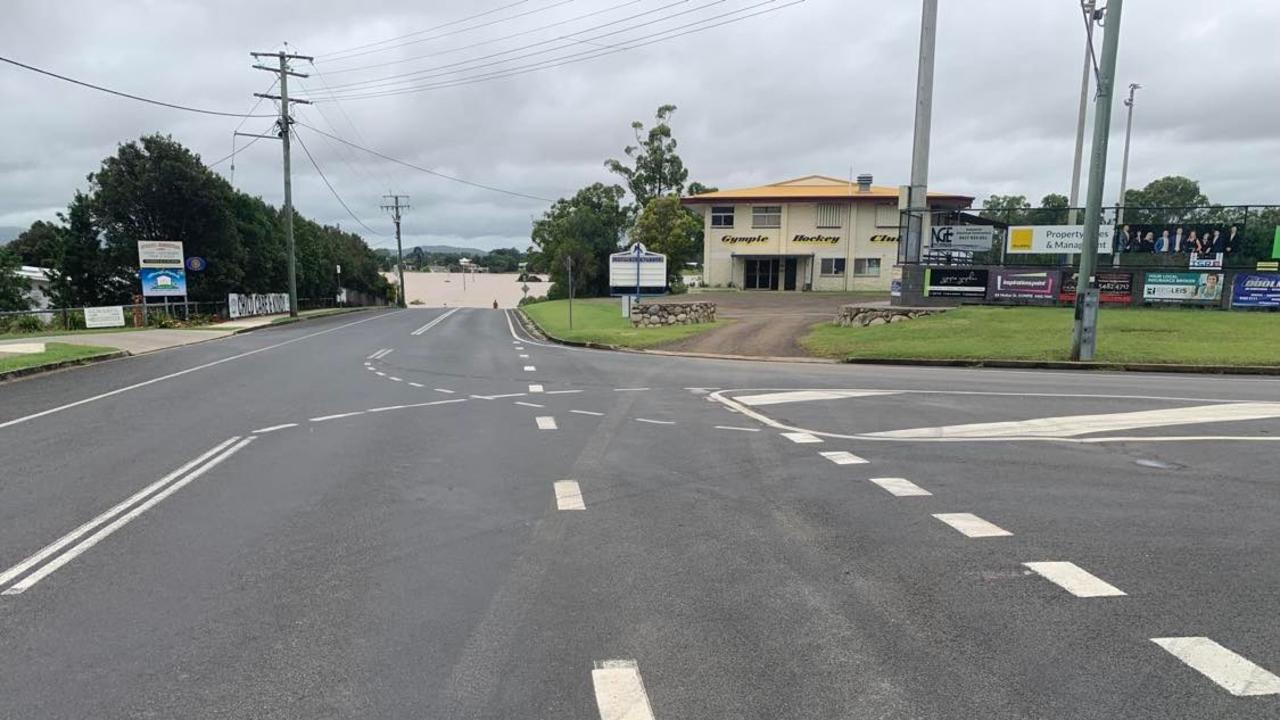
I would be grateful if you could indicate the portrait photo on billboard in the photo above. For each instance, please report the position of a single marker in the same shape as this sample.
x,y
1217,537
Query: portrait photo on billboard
x,y
1178,238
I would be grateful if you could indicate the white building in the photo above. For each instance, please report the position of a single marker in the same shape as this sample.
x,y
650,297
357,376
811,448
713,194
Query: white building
x,y
38,293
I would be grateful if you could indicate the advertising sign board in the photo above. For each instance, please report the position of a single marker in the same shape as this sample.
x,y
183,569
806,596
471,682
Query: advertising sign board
x,y
1206,261
104,317
1256,290
163,282
1182,287
1055,239
962,237
637,268
955,282
1113,287
159,254
239,305
1030,285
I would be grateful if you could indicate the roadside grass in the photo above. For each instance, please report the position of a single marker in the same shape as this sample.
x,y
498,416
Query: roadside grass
x,y
54,353
600,320
1131,335
35,336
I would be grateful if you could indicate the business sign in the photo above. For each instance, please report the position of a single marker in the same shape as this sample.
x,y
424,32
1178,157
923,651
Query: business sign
x,y
104,317
1182,287
1206,261
1202,238
884,238
1054,239
973,238
637,269
895,281
1256,290
1032,285
163,282
955,282
159,254
744,239
1113,287
817,239
239,305
195,263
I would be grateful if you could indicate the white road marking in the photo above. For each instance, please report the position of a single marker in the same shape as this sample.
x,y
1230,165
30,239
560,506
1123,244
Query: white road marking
x,y
801,437
273,428
498,397
841,457
416,384
1074,579
791,396
393,378
367,363
901,487
524,357
529,404
587,412
116,509
1234,673
742,429
434,322
323,418
443,390
529,368
546,422
381,374
373,369
620,693
656,422
379,354
630,389
66,557
436,402
180,373
971,525
388,407
535,388
568,495
563,392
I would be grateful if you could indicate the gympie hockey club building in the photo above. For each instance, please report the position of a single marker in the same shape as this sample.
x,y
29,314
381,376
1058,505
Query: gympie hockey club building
x,y
810,233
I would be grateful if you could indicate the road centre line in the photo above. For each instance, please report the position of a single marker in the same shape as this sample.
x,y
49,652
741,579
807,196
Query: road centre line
x,y
323,418
620,693
524,356
443,390
568,495
635,389
801,437
546,422
393,378
530,368
417,384
741,429
588,412
1074,579
180,373
381,374
498,397
1231,671
901,487
529,404
841,457
273,428
656,422
971,525
384,409
563,392
535,388
66,557
436,321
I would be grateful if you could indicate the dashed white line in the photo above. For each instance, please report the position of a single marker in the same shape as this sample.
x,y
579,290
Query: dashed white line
x,y
416,384
1074,579
901,487
971,525
372,369
740,429
535,388
841,457
529,404
546,422
274,428
620,693
801,437
380,373
1234,673
393,378
323,418
530,368
563,392
524,357
588,412
443,390
656,422
637,389
568,495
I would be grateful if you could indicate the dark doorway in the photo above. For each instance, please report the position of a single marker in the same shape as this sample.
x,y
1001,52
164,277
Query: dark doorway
x,y
789,274
760,274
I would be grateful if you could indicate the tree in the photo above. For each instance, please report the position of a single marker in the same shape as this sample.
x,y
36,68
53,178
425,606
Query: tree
x,y
38,244
1010,209
1168,199
1054,210
667,227
656,170
13,288
82,274
586,228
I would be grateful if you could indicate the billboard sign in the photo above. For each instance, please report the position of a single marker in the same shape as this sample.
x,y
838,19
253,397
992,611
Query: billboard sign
x,y
1202,238
159,254
104,317
1030,285
1182,287
1113,287
973,238
955,282
1054,239
1206,261
637,268
163,282
1256,290
240,305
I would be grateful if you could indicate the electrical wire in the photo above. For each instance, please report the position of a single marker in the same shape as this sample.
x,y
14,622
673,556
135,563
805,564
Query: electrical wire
x,y
330,186
118,93
344,151
233,153
428,171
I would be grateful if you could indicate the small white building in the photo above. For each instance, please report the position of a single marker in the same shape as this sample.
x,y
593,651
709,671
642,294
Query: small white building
x,y
38,280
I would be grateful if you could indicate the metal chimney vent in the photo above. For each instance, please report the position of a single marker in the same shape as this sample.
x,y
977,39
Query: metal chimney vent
x,y
864,182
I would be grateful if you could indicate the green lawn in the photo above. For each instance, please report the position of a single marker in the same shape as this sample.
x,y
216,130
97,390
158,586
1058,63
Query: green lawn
x,y
35,336
1135,335
54,352
600,320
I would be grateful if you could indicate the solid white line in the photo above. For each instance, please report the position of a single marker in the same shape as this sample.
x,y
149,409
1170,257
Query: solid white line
x,y
119,507
180,373
801,437
434,322
568,495
971,525
393,378
901,487
530,368
498,397
535,388
620,693
322,418
1074,579
840,457
587,412
655,422
529,404
730,427
416,384
546,422
806,396
273,428
443,390
1234,673
629,389
66,557
436,402
563,392
388,407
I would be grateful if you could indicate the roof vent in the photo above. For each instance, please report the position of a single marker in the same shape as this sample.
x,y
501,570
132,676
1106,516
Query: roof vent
x,y
864,182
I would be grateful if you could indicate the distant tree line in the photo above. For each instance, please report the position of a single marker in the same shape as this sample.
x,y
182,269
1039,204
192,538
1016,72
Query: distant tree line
x,y
502,260
156,189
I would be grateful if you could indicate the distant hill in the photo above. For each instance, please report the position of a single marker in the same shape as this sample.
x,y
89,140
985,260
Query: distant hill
x,y
9,233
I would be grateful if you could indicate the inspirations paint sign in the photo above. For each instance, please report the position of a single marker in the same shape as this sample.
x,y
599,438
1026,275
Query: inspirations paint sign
x,y
1027,285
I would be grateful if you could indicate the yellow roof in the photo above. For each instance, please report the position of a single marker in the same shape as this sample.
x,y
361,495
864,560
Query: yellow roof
x,y
812,188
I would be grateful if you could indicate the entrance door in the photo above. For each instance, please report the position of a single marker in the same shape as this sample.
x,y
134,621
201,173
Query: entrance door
x,y
789,274
760,274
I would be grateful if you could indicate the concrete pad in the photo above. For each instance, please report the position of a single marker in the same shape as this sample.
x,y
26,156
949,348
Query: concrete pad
x,y
28,348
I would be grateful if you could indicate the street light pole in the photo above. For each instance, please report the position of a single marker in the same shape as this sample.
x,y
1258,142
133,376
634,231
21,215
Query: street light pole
x,y
917,198
1087,7
1128,133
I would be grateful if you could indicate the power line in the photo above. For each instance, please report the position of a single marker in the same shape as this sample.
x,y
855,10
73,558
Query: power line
x,y
232,154
330,185
420,32
419,168
345,151
130,96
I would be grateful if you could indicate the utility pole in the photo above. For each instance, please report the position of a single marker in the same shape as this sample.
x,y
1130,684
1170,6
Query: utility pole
x,y
284,123
1124,171
1083,337
917,197
395,207
1086,7
568,262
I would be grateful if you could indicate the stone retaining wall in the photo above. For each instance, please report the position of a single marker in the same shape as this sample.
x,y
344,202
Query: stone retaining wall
x,y
864,315
673,314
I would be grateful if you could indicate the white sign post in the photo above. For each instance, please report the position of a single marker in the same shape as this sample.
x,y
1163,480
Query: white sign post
x,y
104,317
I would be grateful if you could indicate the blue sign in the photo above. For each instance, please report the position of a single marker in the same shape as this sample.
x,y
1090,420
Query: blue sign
x,y
196,263
163,282
1256,290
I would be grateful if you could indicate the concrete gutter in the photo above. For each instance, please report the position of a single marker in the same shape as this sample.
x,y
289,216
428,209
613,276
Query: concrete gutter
x,y
1069,365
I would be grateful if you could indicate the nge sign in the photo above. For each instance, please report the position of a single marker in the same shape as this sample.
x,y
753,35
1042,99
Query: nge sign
x,y
637,271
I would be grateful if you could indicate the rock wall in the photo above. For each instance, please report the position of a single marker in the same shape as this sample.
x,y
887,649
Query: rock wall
x,y
864,315
673,314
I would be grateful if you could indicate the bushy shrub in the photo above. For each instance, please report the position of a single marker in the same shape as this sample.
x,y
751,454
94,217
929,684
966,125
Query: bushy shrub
x,y
26,324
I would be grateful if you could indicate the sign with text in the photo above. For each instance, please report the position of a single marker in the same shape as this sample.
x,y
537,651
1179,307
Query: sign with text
x,y
159,254
962,237
637,270
1028,285
1113,287
955,282
817,239
1055,239
1182,287
104,317
1256,290
163,282
240,305
744,239
1206,261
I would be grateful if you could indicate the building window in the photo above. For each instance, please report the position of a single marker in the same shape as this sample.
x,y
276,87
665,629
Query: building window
x,y
866,267
722,216
829,215
766,216
833,267
887,215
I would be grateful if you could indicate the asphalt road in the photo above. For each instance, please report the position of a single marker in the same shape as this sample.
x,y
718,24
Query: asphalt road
x,y
368,517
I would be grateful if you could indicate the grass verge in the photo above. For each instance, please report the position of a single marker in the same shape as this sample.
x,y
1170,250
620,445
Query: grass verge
x,y
599,320
54,353
35,336
1125,335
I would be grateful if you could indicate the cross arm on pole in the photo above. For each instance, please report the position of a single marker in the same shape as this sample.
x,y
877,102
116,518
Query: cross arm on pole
x,y
287,56
277,97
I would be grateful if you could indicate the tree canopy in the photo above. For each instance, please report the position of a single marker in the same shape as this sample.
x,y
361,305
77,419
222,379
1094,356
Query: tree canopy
x,y
667,227
655,169
585,228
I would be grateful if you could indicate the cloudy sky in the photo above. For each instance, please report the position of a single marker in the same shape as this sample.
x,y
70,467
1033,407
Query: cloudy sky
x,y
819,86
